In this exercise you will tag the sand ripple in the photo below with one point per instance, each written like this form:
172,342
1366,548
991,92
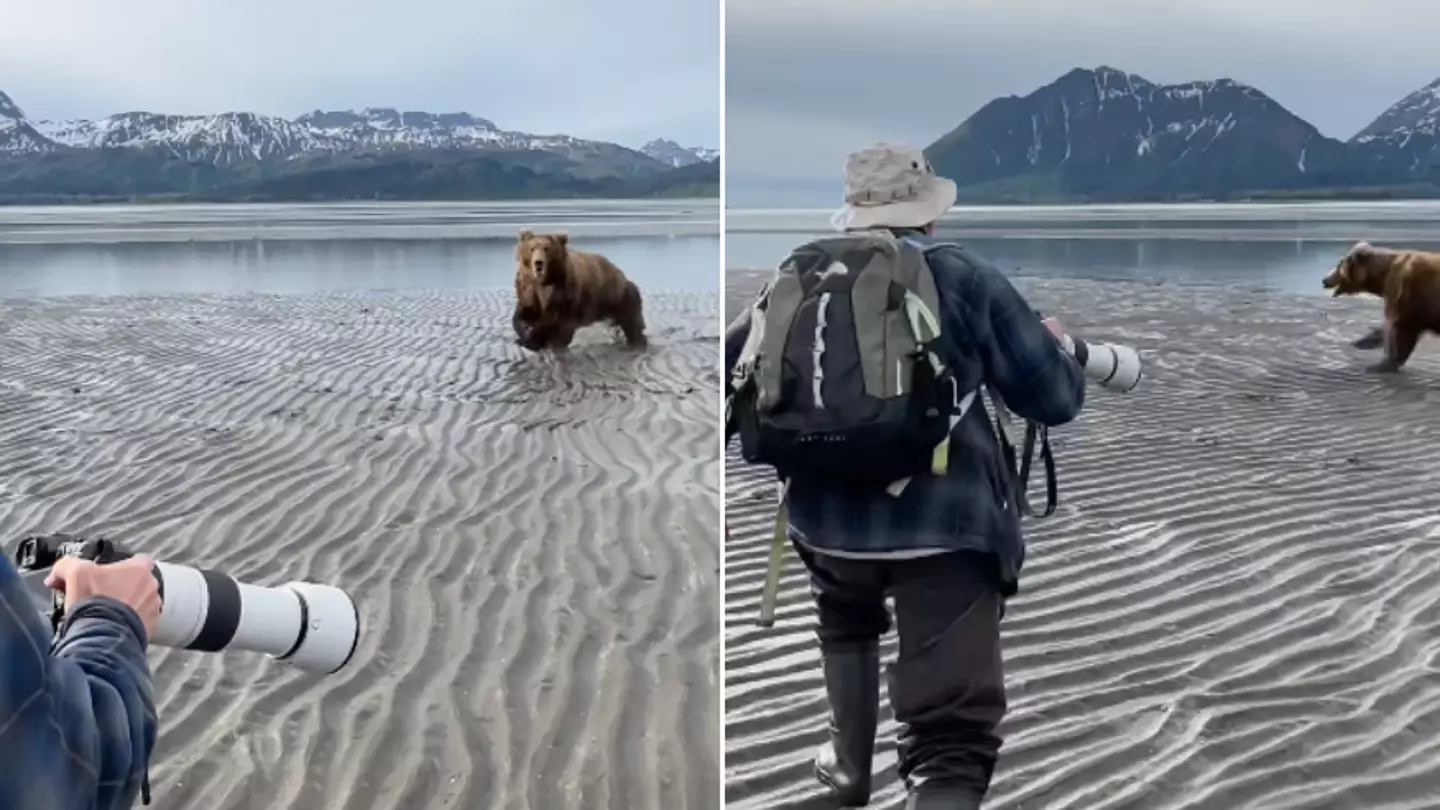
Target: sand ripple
1236,606
531,539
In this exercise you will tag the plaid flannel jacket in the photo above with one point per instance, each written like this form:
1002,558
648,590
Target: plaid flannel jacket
996,339
77,719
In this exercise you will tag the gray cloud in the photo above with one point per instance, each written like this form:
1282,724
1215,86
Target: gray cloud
808,81
625,72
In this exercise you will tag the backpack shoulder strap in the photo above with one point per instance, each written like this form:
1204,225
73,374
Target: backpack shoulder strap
754,332
774,307
799,277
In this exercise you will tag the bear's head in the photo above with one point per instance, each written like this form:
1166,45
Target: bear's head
542,255
1361,270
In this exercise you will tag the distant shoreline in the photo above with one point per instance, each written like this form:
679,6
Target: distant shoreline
200,199
1270,220
456,221
1377,194
1409,195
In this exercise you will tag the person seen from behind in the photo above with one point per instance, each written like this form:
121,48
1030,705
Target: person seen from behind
944,542
77,715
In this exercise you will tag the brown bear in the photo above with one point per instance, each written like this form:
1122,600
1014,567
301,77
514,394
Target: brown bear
1409,283
559,290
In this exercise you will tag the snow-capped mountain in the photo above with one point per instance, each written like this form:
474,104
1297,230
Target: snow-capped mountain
240,137
1411,127
220,139
673,154
1416,114
17,136
8,109
244,137
372,154
1106,134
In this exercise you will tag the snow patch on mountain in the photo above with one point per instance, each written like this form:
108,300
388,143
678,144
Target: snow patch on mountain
18,136
223,139
1195,115
673,154
1418,113
227,138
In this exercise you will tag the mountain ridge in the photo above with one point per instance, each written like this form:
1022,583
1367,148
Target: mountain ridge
317,154
1103,134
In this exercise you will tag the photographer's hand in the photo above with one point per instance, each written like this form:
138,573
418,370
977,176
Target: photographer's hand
129,582
1056,329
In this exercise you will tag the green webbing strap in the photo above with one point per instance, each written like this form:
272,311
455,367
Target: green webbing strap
917,313
940,459
779,540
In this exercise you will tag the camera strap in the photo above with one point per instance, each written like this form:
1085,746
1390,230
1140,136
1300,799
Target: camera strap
1019,475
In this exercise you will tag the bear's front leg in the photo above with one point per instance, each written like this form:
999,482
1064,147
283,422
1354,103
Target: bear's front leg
557,338
1373,339
524,323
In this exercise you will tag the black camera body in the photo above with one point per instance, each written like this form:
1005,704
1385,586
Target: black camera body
40,552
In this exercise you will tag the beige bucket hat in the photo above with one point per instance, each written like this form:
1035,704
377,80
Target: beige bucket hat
892,186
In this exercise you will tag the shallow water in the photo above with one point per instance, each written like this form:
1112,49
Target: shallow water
192,249
1286,247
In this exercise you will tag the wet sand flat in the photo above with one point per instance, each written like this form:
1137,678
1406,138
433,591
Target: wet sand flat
531,539
1237,604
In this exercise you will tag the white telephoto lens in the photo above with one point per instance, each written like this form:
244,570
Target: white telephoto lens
314,627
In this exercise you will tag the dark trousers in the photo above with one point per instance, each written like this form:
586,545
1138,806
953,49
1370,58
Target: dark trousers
946,686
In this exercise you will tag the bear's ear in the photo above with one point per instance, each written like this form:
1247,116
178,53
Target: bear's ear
1362,250
562,239
525,235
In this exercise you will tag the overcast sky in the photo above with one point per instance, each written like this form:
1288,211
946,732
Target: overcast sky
808,81
625,71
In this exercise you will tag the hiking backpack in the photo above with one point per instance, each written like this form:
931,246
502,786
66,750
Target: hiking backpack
842,380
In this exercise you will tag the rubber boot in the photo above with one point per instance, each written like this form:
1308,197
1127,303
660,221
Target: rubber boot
852,682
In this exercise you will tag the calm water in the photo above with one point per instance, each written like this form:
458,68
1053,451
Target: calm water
1285,247
119,250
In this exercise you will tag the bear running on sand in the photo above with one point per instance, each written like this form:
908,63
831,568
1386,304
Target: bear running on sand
1409,283
559,290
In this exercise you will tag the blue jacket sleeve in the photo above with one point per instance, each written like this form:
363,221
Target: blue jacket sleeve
1024,363
77,723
